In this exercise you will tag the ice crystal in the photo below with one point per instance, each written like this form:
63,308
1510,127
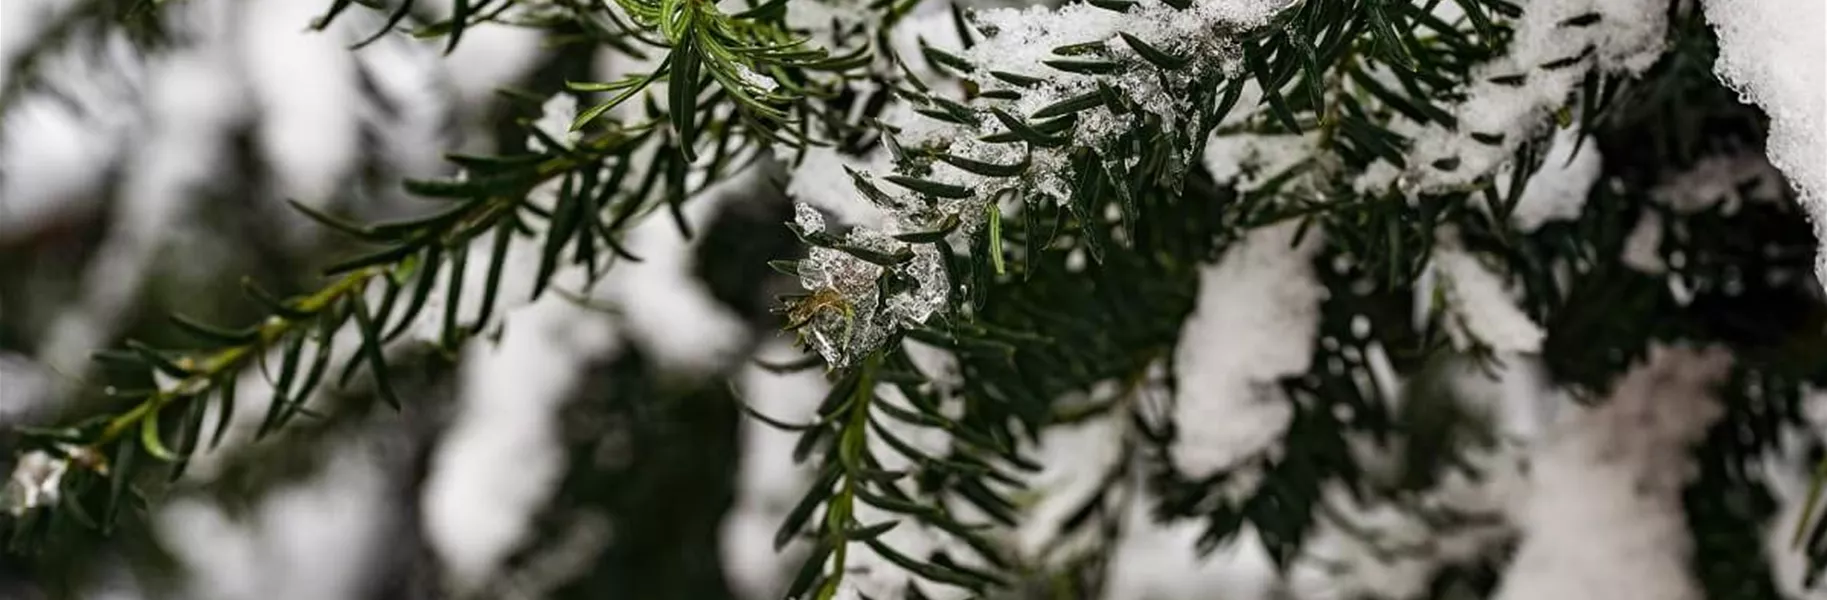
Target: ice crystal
849,310
808,218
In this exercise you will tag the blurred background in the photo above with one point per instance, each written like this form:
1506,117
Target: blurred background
589,452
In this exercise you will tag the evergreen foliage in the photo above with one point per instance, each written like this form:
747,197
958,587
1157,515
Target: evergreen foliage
1044,237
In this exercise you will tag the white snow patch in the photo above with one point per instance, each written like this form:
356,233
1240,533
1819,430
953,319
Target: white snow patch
1480,306
192,103
25,388
1254,321
315,539
768,482
1159,561
1558,190
1723,181
303,83
669,311
1246,160
53,145
501,458
1602,514
821,182
1643,247
1075,460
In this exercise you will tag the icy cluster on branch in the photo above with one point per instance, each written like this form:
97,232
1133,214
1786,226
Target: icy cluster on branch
1018,41
1555,45
1771,52
857,320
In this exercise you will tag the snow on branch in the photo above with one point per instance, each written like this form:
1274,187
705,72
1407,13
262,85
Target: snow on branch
1555,45
1771,52
1255,322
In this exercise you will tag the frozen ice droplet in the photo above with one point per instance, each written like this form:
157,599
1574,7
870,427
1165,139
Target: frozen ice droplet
808,218
927,296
